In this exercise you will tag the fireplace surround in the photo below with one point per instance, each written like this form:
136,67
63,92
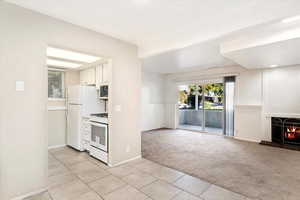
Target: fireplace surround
285,133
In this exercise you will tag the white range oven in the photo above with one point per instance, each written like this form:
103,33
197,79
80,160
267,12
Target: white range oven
99,137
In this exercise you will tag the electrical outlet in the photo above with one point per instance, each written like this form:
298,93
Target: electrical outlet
20,86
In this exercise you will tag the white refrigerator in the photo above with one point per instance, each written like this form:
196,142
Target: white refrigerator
82,101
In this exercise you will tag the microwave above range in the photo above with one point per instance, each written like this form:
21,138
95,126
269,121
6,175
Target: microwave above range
103,91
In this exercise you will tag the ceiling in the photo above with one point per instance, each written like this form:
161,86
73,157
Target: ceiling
283,53
266,45
68,59
203,55
276,44
157,26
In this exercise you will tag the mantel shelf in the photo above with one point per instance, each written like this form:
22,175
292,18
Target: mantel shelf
249,106
285,115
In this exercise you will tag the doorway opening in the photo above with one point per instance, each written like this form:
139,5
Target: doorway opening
201,107
207,107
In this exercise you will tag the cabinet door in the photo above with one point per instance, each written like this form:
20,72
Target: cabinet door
83,77
91,76
105,75
98,76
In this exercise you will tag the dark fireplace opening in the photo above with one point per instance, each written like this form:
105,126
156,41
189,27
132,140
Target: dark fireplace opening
286,130
285,133
291,131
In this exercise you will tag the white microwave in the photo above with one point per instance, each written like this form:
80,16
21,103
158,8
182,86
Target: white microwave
103,91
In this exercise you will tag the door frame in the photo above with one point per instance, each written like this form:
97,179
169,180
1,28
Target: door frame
203,101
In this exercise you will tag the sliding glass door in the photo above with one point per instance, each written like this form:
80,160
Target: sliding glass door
201,107
208,107
214,107
191,107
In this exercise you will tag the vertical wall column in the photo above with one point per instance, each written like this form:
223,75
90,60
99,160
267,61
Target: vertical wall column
229,86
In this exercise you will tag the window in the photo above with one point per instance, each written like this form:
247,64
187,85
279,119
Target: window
56,86
188,95
214,96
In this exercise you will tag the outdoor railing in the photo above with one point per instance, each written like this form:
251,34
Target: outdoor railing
213,118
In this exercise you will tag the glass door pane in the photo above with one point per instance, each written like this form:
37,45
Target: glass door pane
213,107
191,107
200,108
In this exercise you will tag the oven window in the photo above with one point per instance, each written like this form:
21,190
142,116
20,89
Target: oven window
99,135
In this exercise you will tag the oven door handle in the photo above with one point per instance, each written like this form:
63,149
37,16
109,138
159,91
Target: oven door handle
98,124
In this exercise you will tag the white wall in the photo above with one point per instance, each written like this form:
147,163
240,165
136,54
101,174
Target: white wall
153,108
171,100
249,88
56,128
281,90
281,95
248,124
257,93
125,132
23,117
261,93
248,106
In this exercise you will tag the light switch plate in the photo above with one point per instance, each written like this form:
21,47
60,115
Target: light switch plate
20,86
118,108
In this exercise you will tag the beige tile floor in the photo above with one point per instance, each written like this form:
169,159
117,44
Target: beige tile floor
77,176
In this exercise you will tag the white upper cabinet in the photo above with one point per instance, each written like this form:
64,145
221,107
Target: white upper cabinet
99,75
105,69
92,76
102,75
83,77
88,77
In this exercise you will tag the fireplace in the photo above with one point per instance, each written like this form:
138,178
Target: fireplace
285,132
291,128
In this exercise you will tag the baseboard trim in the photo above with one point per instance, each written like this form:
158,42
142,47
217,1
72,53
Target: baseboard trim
57,146
156,129
125,161
247,140
30,194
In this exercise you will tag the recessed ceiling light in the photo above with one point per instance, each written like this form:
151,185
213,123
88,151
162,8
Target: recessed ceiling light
63,64
70,55
291,19
273,65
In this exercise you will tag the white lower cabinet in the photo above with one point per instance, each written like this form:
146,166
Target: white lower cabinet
85,134
86,145
97,153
